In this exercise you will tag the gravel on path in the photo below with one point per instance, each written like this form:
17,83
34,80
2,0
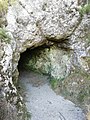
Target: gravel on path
43,103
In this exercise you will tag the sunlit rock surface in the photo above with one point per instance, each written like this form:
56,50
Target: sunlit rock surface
33,23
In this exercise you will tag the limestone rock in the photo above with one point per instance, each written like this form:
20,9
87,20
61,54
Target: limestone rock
35,23
80,43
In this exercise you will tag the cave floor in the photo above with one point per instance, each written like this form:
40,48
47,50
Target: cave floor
43,103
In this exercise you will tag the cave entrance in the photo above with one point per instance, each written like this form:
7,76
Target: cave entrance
30,79
31,58
29,66
41,101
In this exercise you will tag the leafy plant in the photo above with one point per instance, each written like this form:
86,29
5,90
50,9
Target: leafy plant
4,36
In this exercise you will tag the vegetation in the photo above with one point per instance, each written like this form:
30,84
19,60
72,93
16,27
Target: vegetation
4,5
55,82
76,87
85,9
4,36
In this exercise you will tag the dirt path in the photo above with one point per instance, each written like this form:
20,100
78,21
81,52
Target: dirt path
43,103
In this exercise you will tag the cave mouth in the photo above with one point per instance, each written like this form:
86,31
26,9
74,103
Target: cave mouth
34,76
38,95
28,55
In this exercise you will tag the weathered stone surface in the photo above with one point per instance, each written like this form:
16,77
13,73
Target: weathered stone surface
42,19
10,98
76,87
6,85
7,111
34,23
80,43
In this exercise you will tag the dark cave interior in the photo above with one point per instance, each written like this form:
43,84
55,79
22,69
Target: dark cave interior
28,54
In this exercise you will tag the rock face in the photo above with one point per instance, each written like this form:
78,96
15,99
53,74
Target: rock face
7,111
38,22
76,88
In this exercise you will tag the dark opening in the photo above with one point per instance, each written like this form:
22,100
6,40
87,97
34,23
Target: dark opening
28,54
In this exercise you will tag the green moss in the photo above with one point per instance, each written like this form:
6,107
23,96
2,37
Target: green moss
4,36
85,9
54,82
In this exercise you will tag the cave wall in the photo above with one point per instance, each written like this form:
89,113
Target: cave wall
50,60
